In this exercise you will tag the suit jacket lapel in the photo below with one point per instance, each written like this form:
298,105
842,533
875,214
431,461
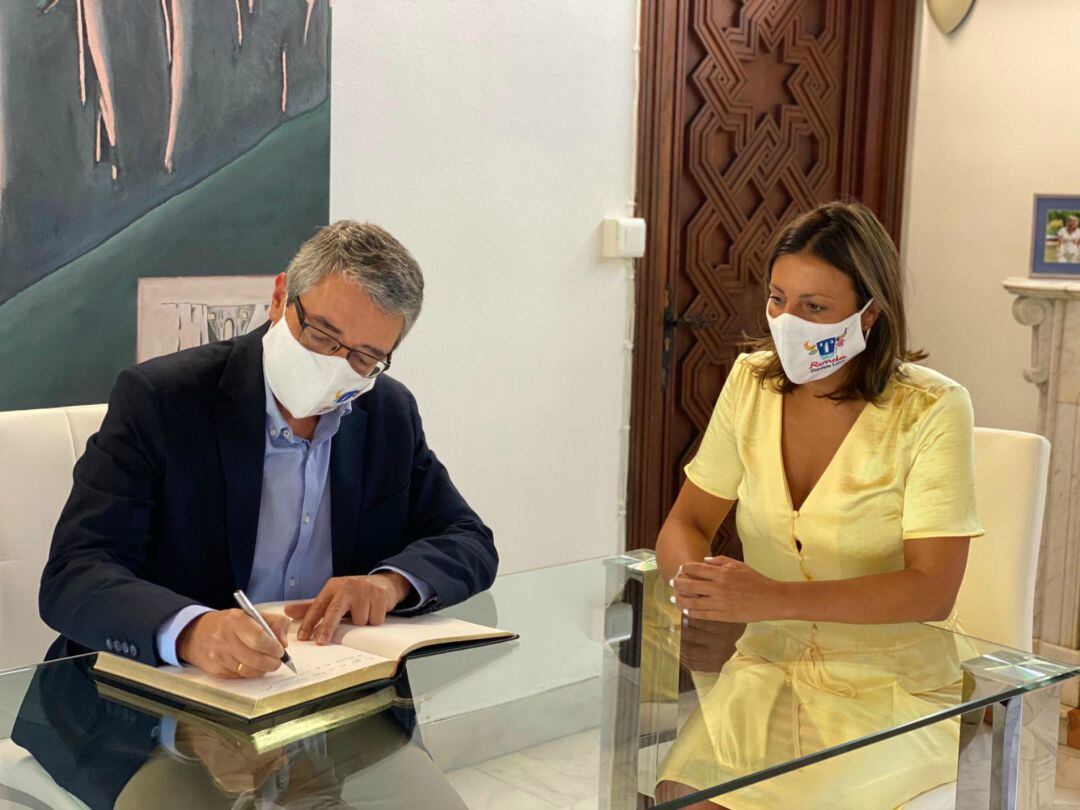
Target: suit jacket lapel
346,459
241,428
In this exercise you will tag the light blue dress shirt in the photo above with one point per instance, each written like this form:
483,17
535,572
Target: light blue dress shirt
293,558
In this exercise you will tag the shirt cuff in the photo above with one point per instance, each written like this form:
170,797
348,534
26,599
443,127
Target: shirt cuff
167,734
171,629
421,589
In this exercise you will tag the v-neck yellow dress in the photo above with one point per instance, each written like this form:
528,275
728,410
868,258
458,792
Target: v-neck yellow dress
904,471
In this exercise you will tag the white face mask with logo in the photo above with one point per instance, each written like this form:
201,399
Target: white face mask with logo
812,351
306,383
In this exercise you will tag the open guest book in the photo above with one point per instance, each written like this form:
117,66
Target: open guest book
356,657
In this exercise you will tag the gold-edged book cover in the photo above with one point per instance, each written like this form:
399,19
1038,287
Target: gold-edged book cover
358,657
224,699
270,737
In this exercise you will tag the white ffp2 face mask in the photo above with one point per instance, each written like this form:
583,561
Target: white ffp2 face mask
812,351
306,383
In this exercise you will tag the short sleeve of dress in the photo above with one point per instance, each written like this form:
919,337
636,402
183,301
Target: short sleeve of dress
717,468
939,498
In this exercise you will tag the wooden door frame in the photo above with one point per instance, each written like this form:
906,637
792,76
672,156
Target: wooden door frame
882,39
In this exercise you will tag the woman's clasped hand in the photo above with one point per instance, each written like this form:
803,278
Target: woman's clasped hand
723,589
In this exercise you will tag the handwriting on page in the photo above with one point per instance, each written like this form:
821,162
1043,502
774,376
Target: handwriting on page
315,664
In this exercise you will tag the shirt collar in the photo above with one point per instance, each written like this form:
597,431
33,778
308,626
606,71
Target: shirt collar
326,429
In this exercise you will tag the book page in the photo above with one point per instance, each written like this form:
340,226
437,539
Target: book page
314,664
399,635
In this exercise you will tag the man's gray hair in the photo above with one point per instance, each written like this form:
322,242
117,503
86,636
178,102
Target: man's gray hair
366,255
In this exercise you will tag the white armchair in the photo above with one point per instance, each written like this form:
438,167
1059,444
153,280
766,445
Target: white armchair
39,449
997,598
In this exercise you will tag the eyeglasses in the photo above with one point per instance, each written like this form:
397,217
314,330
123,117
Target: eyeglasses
315,339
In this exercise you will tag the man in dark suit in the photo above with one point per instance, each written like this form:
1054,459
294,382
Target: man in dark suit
283,462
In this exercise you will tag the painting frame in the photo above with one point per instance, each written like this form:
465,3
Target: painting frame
1043,241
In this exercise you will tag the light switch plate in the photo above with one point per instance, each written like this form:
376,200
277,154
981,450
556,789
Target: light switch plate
624,238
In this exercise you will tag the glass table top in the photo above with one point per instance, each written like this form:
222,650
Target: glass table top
608,696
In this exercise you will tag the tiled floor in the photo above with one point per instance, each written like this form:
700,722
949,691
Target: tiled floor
563,774
559,774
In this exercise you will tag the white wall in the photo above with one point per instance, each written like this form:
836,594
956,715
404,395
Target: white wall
492,138
996,120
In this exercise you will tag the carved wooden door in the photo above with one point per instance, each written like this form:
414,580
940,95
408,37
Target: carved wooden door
751,112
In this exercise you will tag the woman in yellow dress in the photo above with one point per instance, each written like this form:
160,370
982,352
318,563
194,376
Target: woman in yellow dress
853,470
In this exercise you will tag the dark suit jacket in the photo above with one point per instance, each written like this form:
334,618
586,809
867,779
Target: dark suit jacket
165,503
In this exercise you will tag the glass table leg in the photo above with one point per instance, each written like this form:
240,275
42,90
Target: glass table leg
640,680
621,689
1011,763
1005,753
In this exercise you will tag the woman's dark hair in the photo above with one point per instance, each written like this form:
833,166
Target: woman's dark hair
848,237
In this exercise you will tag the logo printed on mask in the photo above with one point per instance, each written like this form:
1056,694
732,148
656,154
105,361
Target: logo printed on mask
826,348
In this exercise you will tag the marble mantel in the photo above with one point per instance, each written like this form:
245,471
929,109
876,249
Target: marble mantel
1051,307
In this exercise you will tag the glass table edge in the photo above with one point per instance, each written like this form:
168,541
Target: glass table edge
861,742
49,662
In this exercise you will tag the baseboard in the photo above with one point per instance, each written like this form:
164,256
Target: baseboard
1068,768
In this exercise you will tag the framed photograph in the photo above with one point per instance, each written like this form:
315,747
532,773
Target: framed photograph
1055,241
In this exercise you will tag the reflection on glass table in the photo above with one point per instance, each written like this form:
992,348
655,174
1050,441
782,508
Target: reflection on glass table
606,696
791,713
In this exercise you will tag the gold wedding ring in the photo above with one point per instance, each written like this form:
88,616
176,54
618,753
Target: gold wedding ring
239,666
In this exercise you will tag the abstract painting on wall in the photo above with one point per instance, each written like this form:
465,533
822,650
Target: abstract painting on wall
148,139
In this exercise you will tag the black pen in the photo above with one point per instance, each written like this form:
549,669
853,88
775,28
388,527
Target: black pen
249,609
